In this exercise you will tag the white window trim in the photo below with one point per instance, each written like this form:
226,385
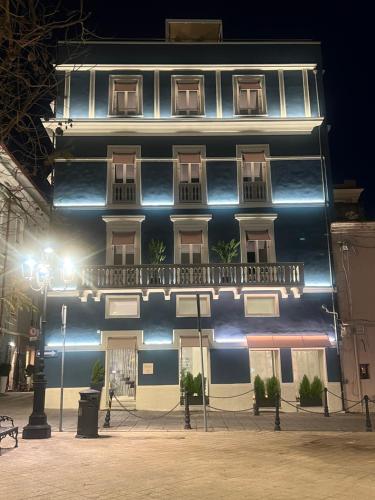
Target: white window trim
128,149
185,149
190,223
123,223
126,78
108,299
257,222
249,296
235,80
202,296
174,80
253,148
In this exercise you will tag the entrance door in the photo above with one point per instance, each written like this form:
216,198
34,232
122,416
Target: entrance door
121,368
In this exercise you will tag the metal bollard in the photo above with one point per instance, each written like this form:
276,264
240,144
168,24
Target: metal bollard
368,419
326,410
255,408
277,414
187,411
107,420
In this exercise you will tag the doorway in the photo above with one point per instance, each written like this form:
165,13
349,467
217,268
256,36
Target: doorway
122,367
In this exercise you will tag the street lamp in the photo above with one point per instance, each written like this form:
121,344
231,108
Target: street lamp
41,275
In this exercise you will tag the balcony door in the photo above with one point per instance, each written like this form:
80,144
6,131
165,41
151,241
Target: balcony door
190,178
124,178
254,187
191,249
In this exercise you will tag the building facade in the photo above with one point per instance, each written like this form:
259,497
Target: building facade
353,239
184,145
24,219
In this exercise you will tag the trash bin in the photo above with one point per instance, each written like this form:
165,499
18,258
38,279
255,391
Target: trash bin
88,410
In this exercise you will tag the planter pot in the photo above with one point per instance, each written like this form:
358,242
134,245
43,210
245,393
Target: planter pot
266,403
311,401
3,384
194,400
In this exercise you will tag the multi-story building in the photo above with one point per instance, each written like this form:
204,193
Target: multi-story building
353,245
24,219
189,142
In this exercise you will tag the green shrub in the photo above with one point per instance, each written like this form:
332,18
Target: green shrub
187,382
156,250
259,388
198,384
305,388
226,250
4,369
316,388
97,374
272,387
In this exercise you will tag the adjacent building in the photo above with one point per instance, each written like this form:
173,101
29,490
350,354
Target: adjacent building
180,145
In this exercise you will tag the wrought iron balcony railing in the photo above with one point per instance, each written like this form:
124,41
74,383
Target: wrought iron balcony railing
203,275
190,192
254,191
123,193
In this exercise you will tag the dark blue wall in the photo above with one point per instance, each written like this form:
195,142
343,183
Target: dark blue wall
77,368
286,365
297,181
333,365
295,104
79,94
157,183
165,367
230,366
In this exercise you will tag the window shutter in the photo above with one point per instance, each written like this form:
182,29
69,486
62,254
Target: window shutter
188,85
191,237
254,157
258,235
189,158
123,238
128,159
125,86
249,85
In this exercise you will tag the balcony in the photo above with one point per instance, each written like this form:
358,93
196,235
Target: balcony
124,193
254,191
190,192
203,275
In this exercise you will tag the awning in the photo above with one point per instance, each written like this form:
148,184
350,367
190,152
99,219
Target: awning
254,157
258,235
189,158
194,85
125,86
126,158
123,238
249,85
191,237
194,341
122,343
295,341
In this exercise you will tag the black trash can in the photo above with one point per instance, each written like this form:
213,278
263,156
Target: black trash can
88,412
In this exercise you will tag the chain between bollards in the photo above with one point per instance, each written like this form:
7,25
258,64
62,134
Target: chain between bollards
277,413
107,420
187,411
368,419
326,410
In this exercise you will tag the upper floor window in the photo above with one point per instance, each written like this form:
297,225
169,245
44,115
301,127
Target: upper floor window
257,246
191,247
124,178
257,238
189,177
253,169
123,248
249,95
187,95
126,96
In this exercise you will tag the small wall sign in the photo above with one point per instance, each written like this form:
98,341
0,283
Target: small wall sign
148,368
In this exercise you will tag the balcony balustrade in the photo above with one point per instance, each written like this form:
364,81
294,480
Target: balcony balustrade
124,193
203,275
190,192
254,191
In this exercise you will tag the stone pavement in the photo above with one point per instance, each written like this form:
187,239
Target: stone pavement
18,405
192,465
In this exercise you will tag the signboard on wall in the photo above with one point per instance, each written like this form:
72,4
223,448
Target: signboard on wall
33,333
148,368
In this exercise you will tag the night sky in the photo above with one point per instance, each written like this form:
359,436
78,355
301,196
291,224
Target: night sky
343,29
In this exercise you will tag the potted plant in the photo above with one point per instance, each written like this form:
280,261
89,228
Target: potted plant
193,387
273,389
97,376
226,251
156,250
310,394
265,393
4,374
29,373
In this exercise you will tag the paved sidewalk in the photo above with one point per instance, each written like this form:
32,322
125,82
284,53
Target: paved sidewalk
18,405
192,465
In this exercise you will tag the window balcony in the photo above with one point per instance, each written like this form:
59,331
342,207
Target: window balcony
288,274
124,193
254,191
190,192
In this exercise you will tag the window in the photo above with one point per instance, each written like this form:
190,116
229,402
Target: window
191,247
264,363
254,186
307,362
122,306
189,178
186,306
261,305
249,95
125,96
364,372
187,95
257,238
190,239
123,248
124,178
257,244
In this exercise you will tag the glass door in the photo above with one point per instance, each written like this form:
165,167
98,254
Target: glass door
121,365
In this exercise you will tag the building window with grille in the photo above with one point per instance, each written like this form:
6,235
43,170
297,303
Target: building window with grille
125,96
124,188
254,179
249,95
189,178
123,247
187,95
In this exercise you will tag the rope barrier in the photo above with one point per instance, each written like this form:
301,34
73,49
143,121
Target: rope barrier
143,418
230,397
229,411
339,397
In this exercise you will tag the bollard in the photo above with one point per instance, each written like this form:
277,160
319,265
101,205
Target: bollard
107,420
326,410
368,419
255,408
187,411
277,414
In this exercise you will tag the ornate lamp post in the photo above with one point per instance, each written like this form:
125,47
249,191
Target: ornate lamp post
41,275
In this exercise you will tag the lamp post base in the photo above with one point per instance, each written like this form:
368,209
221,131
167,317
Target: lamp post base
31,431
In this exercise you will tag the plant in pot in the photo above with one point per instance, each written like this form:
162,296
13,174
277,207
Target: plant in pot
310,394
97,376
193,387
156,250
259,391
4,374
226,251
273,389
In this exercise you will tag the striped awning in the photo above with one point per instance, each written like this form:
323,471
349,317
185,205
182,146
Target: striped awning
295,341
